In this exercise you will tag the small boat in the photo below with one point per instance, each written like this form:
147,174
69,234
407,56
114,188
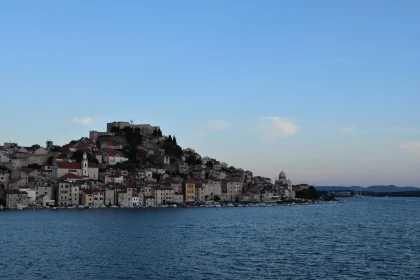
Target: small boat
1,207
19,207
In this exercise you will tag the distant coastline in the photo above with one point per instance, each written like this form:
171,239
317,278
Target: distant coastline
372,191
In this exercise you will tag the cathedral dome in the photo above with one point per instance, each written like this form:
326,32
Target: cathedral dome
282,175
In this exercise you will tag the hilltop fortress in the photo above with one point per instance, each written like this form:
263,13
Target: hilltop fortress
145,129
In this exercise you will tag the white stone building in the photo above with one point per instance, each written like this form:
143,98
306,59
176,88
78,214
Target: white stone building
164,195
116,179
211,189
81,169
113,157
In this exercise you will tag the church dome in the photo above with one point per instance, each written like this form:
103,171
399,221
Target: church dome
282,175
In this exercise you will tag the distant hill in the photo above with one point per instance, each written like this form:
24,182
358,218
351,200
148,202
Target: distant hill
390,188
337,188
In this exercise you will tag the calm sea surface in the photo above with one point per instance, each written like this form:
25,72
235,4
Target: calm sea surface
367,238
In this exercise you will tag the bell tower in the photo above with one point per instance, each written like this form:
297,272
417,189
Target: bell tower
85,165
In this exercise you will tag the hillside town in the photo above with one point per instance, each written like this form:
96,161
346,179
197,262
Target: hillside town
129,165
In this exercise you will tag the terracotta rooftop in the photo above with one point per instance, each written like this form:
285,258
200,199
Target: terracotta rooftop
73,165
68,176
28,170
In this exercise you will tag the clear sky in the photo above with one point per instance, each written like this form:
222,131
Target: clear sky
328,91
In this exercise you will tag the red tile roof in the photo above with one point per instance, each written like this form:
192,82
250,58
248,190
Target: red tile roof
73,165
68,176
28,170
68,165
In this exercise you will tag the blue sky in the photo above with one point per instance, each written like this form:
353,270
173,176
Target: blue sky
326,90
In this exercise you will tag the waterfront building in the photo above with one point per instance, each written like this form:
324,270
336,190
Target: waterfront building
283,186
109,196
212,188
123,198
164,195
67,193
45,201
178,198
199,192
189,191
13,198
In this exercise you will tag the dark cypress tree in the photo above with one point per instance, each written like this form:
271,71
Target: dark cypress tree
155,132
159,132
174,140
170,138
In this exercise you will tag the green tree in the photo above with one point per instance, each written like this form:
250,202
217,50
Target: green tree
155,132
78,156
159,132
209,164
171,149
156,176
50,160
191,160
34,166
132,152
36,146
116,130
309,193
174,140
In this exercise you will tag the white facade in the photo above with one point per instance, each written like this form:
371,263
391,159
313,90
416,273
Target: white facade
149,173
135,201
149,201
31,194
164,196
166,160
212,188
113,179
233,189
114,159
67,194
81,169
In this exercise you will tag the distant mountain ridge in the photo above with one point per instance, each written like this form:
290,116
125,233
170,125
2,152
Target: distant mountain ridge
390,188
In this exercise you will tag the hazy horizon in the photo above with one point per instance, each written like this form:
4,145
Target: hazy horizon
326,91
